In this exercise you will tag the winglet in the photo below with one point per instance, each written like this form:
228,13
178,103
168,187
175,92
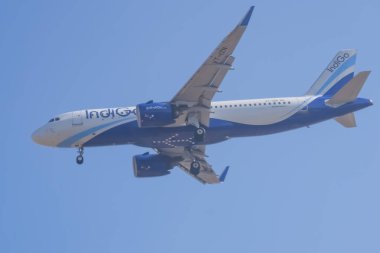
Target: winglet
222,177
247,17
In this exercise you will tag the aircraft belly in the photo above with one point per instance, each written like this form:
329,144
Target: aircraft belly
219,130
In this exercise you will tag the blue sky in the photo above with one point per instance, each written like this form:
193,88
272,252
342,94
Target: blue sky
309,190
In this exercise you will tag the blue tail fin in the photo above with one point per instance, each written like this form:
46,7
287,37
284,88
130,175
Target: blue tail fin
336,75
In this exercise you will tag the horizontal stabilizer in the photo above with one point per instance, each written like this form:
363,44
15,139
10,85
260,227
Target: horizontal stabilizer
347,120
350,91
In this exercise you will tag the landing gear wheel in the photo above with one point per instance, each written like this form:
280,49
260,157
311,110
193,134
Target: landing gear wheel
199,134
195,168
80,159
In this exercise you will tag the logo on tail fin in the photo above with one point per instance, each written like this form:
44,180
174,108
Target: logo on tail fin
338,61
338,72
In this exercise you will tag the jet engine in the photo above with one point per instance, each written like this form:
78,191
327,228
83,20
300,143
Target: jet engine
155,114
148,165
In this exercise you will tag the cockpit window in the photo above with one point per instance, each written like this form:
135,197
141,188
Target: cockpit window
54,119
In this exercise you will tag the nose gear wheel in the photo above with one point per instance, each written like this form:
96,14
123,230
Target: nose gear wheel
80,158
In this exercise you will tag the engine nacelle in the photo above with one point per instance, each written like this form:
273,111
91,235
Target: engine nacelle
155,114
147,165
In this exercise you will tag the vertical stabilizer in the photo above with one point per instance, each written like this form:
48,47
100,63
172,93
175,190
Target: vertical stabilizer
337,74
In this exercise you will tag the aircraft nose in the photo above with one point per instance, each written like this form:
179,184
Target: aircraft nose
38,136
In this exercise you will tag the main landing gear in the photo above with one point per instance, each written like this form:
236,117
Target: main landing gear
80,158
199,134
195,168
199,131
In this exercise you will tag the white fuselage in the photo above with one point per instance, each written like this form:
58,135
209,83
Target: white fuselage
74,129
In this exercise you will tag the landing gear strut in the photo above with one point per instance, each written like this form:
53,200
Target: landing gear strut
195,168
80,158
199,134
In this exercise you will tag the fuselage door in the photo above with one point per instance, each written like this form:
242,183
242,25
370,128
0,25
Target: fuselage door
77,118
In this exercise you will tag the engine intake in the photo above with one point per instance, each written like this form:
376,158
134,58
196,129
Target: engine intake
155,114
147,165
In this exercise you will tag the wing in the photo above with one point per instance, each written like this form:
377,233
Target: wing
185,156
196,95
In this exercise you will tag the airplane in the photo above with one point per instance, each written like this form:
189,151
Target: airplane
179,130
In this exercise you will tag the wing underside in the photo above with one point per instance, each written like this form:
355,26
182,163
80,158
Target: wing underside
186,156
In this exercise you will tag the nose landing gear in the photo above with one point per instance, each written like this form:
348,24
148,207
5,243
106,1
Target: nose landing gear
80,158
